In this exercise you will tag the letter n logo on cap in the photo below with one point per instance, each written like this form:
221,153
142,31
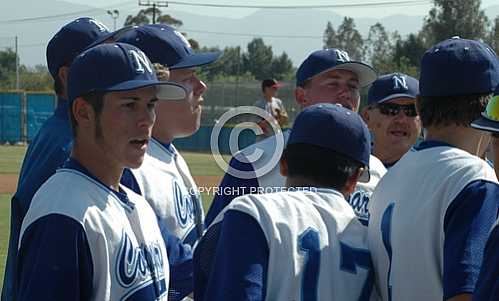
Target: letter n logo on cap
140,61
399,81
99,25
342,55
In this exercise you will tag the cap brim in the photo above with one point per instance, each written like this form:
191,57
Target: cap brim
486,124
196,60
393,96
164,90
112,36
365,177
366,74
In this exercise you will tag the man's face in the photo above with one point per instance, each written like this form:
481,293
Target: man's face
123,128
270,91
181,118
334,86
394,132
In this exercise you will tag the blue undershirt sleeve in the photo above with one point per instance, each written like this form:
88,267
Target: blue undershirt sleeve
54,261
467,223
487,287
230,188
239,270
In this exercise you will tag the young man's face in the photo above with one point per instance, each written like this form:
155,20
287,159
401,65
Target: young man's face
182,118
334,86
394,131
270,92
123,129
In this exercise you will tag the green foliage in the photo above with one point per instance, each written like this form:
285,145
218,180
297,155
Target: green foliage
450,18
7,64
378,48
347,37
258,59
493,36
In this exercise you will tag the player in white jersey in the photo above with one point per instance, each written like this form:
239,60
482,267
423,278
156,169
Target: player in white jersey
305,243
432,211
86,237
487,288
326,76
164,179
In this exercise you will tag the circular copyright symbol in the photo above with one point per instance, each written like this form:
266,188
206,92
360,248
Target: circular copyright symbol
260,164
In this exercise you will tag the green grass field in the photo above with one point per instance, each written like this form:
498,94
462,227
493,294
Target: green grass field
200,164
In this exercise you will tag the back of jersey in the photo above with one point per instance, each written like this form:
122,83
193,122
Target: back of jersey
317,246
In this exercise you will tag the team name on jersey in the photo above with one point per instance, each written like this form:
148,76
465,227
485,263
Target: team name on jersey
359,201
185,205
137,265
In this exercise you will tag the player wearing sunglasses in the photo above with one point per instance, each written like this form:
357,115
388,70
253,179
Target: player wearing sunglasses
391,116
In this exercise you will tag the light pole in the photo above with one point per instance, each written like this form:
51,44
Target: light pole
114,14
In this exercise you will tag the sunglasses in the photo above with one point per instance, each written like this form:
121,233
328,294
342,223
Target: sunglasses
492,110
393,109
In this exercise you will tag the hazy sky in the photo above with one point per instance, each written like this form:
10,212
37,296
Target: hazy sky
413,9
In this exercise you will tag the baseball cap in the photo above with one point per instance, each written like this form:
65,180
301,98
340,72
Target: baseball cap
330,59
489,121
336,128
458,67
165,45
270,82
72,39
391,86
116,67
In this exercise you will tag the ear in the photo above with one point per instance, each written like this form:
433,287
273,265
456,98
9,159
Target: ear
351,183
63,74
83,113
283,167
300,97
365,114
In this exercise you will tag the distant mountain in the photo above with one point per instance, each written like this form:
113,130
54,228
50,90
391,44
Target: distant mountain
298,32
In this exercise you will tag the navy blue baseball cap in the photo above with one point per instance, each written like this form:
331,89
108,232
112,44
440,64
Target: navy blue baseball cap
458,67
390,86
117,67
489,121
72,39
336,128
330,59
166,46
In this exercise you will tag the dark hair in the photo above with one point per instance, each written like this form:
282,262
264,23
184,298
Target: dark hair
269,82
58,87
458,110
321,165
95,99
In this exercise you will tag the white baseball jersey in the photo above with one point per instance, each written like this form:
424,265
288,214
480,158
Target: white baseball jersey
121,254
166,183
312,236
420,213
359,199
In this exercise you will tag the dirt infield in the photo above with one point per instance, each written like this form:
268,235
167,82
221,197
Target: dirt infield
207,181
8,183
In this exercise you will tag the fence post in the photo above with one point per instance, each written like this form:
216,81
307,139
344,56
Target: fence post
24,117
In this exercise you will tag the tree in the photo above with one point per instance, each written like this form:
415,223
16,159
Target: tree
349,39
493,38
144,16
258,59
7,63
450,18
281,67
409,51
329,37
378,48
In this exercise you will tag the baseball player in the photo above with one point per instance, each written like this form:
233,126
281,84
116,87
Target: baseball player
52,144
391,116
301,244
86,237
326,76
432,211
487,287
164,179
